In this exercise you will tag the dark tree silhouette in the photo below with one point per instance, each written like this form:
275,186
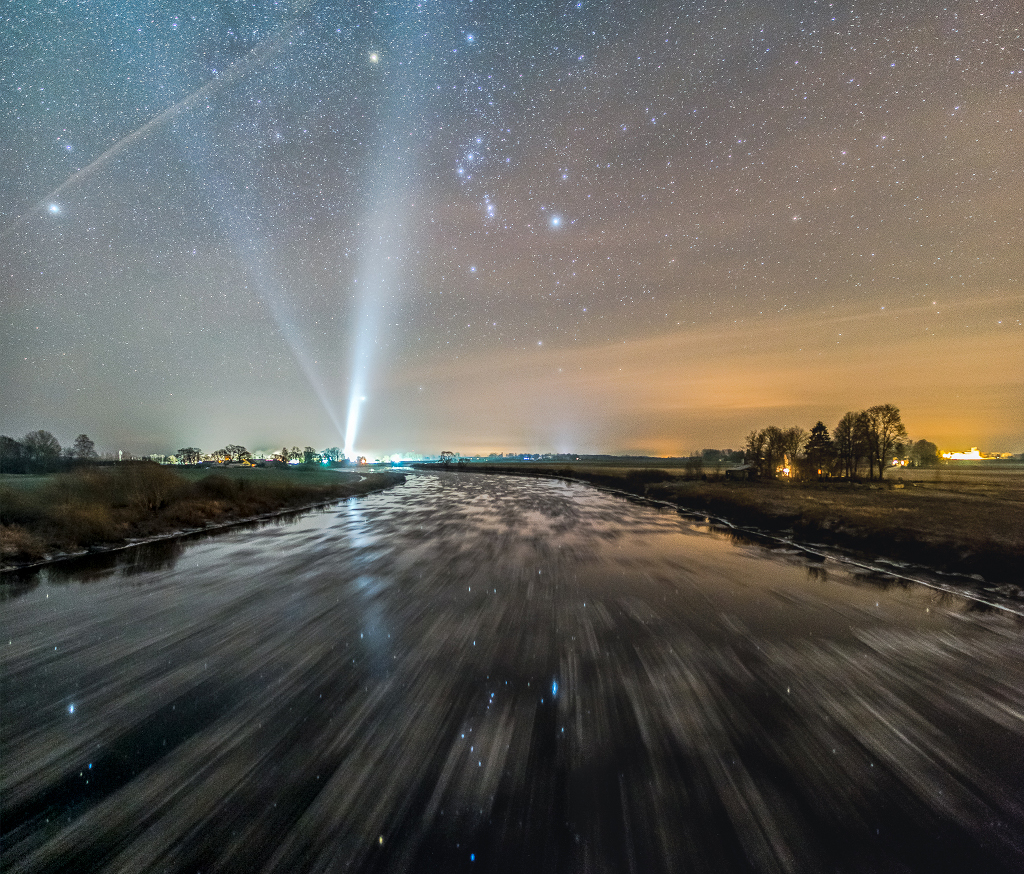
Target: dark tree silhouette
189,455
13,456
792,444
885,432
83,448
766,449
924,453
850,438
754,449
41,448
774,450
236,452
820,450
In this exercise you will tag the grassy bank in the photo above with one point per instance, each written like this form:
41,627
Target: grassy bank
89,508
966,525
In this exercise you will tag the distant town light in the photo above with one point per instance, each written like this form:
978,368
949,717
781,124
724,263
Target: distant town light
973,455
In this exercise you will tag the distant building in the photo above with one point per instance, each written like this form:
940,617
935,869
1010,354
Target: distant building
742,472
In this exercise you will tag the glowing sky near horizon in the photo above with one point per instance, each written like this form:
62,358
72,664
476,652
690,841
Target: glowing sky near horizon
590,227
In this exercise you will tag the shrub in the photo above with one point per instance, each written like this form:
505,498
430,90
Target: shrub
148,486
87,523
82,486
217,486
20,544
637,480
19,507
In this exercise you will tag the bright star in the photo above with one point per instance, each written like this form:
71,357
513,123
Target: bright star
556,220
54,208
374,57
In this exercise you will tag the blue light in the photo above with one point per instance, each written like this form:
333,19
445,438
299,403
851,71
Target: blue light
554,688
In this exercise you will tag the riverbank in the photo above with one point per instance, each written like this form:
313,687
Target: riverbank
967,527
46,518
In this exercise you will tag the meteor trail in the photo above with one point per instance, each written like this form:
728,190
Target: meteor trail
256,56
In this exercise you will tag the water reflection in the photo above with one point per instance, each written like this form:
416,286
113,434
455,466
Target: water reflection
504,674
139,558
816,572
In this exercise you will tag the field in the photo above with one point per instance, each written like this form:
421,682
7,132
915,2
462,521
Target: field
43,517
965,519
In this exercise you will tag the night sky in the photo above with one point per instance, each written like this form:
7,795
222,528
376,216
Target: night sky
638,227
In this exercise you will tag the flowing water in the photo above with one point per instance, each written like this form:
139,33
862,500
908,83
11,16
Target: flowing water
493,673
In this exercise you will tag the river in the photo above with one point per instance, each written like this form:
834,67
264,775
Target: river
490,673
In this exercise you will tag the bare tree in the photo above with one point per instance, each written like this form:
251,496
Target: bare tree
766,450
774,450
792,443
850,437
885,432
753,452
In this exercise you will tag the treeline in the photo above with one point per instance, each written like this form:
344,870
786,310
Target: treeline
236,453
875,437
40,452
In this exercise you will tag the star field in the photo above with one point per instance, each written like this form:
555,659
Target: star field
506,223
